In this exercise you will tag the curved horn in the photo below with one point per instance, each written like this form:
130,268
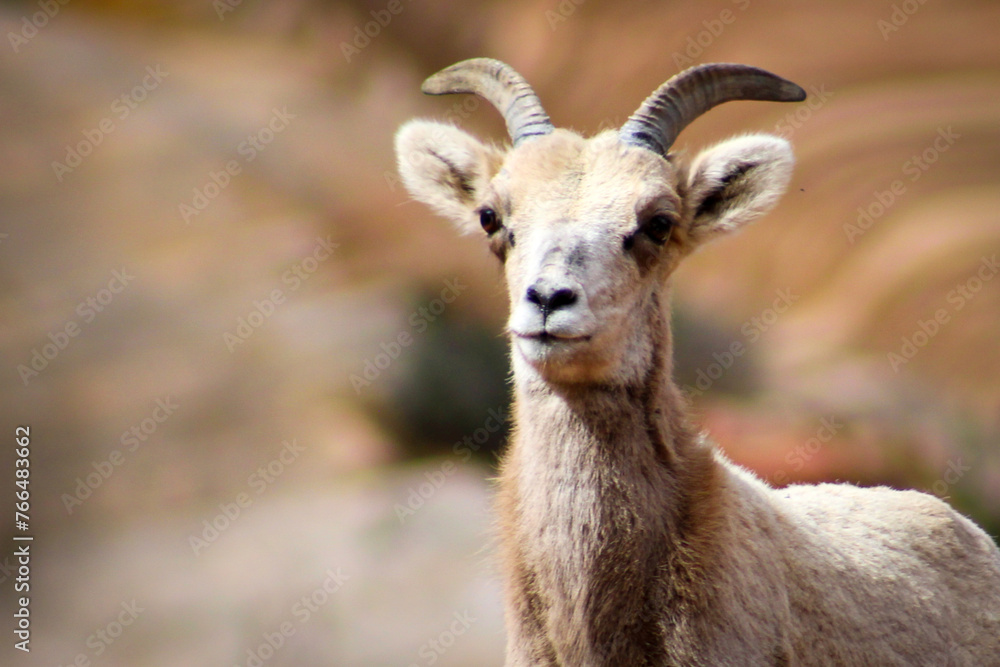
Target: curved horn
501,86
675,104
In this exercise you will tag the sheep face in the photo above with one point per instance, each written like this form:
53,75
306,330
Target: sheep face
588,230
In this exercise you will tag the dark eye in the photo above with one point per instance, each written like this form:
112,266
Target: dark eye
658,228
489,219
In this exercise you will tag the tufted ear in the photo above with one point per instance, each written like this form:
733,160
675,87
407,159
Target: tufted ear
446,168
736,181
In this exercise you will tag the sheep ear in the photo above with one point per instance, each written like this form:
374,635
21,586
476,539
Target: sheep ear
736,181
446,168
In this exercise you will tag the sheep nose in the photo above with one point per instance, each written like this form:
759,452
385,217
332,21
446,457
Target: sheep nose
550,296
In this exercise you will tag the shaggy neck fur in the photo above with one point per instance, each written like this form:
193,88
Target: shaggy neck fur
609,514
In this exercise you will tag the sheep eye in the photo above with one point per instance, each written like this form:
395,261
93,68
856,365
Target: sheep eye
658,228
489,219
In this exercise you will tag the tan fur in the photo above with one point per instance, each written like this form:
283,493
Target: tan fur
626,538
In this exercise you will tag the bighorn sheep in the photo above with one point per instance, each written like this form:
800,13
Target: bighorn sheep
626,537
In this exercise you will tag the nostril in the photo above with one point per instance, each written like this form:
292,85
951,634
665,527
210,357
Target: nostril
562,298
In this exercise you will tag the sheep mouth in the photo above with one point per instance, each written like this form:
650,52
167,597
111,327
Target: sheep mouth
550,338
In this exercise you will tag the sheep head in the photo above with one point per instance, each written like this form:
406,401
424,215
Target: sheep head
590,229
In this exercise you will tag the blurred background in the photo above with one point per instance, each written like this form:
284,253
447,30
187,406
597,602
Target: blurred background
266,391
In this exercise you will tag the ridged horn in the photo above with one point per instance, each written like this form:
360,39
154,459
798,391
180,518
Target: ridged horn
675,104
501,86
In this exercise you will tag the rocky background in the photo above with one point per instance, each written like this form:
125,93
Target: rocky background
266,391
